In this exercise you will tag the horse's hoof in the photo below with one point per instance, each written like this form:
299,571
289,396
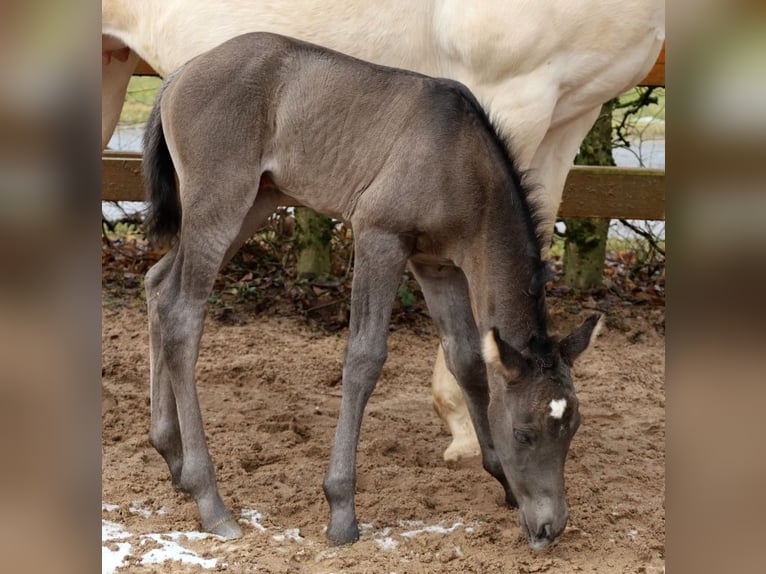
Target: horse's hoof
228,529
457,451
341,537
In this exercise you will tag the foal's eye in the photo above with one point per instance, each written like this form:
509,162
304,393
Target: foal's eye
522,437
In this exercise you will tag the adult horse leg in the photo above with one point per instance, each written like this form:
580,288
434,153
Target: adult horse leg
380,258
551,164
115,76
446,292
449,404
177,291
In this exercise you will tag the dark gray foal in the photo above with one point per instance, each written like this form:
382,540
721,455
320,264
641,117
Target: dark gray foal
415,166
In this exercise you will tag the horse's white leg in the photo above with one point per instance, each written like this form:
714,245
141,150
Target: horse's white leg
114,84
449,404
551,164
380,259
446,293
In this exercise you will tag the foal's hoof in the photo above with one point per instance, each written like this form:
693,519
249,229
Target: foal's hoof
228,529
339,537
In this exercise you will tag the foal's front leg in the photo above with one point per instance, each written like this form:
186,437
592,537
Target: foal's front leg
380,260
446,293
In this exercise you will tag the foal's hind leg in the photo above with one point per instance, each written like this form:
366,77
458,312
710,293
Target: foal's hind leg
178,292
446,292
380,259
165,433
178,311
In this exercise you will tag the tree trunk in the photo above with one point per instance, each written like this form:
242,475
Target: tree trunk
313,233
585,243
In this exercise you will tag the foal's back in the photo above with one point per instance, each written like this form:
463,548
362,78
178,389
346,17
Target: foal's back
336,133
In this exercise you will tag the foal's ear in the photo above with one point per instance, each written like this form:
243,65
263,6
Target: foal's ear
502,356
576,342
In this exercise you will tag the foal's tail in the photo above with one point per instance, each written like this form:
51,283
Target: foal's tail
163,219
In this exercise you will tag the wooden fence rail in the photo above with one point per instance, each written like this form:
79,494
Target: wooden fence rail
601,192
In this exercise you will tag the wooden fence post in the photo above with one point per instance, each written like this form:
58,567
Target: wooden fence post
313,233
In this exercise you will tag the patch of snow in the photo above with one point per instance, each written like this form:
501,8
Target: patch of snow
109,507
112,559
290,534
386,543
170,547
112,531
252,517
116,549
384,540
135,508
433,529
172,550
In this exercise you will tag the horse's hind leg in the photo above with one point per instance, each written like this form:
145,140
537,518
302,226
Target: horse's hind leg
446,292
378,267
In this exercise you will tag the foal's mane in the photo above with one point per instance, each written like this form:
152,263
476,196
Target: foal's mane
530,209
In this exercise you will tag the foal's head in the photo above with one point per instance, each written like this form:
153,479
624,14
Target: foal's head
533,415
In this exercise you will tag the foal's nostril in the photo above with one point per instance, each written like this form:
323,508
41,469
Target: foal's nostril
545,532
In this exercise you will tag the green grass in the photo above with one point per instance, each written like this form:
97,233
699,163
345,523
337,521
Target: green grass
139,99
612,244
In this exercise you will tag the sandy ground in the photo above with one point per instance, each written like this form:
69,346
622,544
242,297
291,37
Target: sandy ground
270,393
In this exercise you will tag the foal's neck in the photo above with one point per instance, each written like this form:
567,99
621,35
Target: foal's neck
506,274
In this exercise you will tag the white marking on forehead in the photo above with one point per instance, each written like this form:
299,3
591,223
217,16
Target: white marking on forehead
558,407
